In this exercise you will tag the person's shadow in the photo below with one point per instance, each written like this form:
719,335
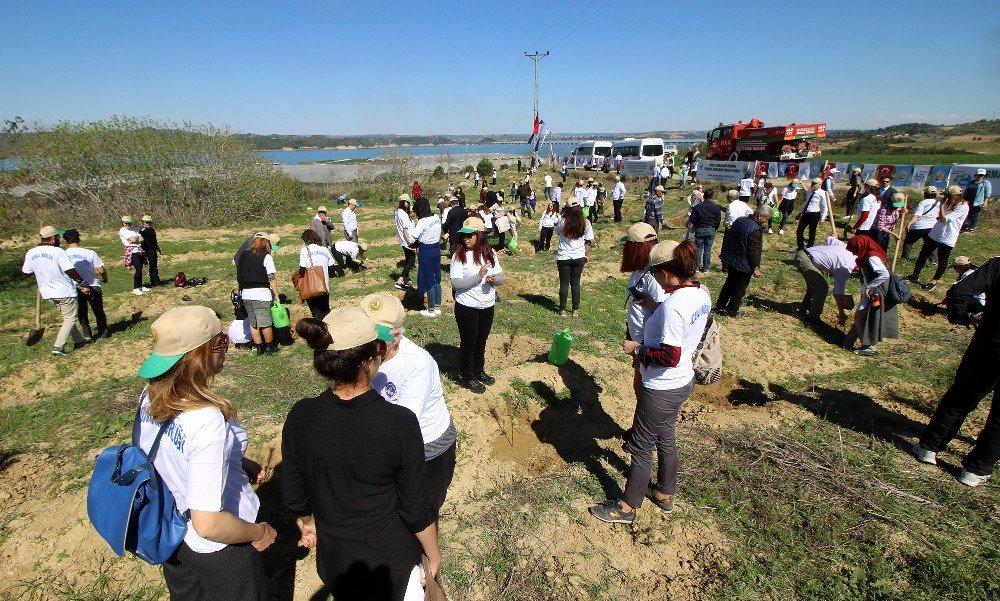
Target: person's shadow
828,333
540,300
574,424
281,558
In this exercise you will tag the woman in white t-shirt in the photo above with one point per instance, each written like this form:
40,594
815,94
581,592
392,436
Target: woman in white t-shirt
572,252
943,235
313,254
475,273
546,225
670,337
427,233
644,294
404,227
135,257
256,277
201,460
787,205
924,218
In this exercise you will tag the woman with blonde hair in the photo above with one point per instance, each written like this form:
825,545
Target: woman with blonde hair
354,470
201,461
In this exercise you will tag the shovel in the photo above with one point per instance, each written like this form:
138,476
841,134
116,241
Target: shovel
36,334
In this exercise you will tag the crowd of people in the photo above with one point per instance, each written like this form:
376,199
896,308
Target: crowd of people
372,515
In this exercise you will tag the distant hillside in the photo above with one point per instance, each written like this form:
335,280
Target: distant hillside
279,141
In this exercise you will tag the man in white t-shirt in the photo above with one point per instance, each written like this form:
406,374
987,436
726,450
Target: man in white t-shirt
350,254
90,266
618,198
548,187
55,274
350,220
867,210
834,259
746,187
737,208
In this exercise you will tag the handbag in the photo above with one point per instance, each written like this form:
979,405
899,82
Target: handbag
312,284
129,505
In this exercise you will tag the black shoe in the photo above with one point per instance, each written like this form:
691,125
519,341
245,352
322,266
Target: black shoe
260,349
271,348
911,278
485,378
472,384
611,511
929,286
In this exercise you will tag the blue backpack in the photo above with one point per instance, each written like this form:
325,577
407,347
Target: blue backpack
129,505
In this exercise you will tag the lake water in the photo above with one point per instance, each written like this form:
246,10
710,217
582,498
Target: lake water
294,157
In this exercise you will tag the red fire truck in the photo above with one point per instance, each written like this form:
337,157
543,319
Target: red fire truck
754,142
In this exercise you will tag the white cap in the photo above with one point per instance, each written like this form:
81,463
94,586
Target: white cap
980,172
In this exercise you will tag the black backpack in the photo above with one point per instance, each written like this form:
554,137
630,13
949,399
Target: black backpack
970,192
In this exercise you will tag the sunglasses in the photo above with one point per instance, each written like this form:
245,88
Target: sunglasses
221,344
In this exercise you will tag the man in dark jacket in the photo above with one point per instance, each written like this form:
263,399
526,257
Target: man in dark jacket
741,253
978,374
456,217
152,249
705,218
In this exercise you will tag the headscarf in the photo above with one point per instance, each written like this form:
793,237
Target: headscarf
866,247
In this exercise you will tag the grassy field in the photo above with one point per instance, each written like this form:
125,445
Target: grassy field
795,480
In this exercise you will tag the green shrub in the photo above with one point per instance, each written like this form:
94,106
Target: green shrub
438,172
485,167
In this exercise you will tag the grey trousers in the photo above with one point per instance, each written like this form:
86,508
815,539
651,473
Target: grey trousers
68,310
817,288
653,426
235,573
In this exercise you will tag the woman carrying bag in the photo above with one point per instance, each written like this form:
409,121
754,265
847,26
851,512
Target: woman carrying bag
475,273
873,321
315,262
644,294
255,274
427,233
354,470
202,461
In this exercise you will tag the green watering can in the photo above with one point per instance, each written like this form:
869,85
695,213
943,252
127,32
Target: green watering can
279,315
561,344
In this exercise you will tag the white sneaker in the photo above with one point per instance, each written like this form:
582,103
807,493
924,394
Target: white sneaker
427,313
781,232
137,291
770,231
924,455
437,311
973,480
144,289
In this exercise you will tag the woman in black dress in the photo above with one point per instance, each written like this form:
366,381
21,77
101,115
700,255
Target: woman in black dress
354,472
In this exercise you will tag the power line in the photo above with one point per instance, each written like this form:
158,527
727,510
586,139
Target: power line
536,57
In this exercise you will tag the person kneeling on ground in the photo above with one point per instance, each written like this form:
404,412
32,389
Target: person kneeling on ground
665,355
978,374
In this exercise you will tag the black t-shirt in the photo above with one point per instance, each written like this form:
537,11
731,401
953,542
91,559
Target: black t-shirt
358,467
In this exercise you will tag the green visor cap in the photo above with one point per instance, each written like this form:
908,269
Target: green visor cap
466,230
157,365
384,333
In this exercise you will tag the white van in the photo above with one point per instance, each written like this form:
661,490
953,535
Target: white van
591,154
639,155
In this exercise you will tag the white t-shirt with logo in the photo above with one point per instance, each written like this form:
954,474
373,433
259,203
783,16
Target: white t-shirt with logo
869,203
946,232
347,247
927,213
200,459
643,285
403,222
483,294
49,264
125,233
321,257
411,379
679,321
428,229
573,248
86,262
261,294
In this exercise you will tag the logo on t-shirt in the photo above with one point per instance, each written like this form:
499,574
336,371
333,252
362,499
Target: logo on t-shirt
390,391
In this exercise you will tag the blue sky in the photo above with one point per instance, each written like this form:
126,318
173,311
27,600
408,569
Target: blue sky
428,67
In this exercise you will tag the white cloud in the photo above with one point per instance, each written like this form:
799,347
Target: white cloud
912,117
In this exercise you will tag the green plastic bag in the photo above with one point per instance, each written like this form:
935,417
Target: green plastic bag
561,343
279,315
512,245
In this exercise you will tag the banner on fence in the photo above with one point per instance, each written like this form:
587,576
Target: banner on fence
844,174
772,170
920,175
885,171
961,175
939,176
902,176
724,171
869,172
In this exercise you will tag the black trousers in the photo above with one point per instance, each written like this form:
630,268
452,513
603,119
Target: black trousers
943,252
731,295
810,220
154,272
474,327
319,306
545,238
409,258
978,374
137,261
570,271
235,573
440,471
912,237
618,209
343,260
95,300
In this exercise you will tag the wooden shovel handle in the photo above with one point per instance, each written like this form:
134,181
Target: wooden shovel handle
38,309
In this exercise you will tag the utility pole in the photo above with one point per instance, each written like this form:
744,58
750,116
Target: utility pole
536,57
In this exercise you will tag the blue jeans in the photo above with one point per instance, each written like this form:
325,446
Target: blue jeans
704,237
434,297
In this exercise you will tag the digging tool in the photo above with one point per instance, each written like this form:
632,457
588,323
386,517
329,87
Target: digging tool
36,334
899,238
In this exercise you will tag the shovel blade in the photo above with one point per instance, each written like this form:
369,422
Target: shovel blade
34,336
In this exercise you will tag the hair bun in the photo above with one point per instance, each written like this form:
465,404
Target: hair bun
314,332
